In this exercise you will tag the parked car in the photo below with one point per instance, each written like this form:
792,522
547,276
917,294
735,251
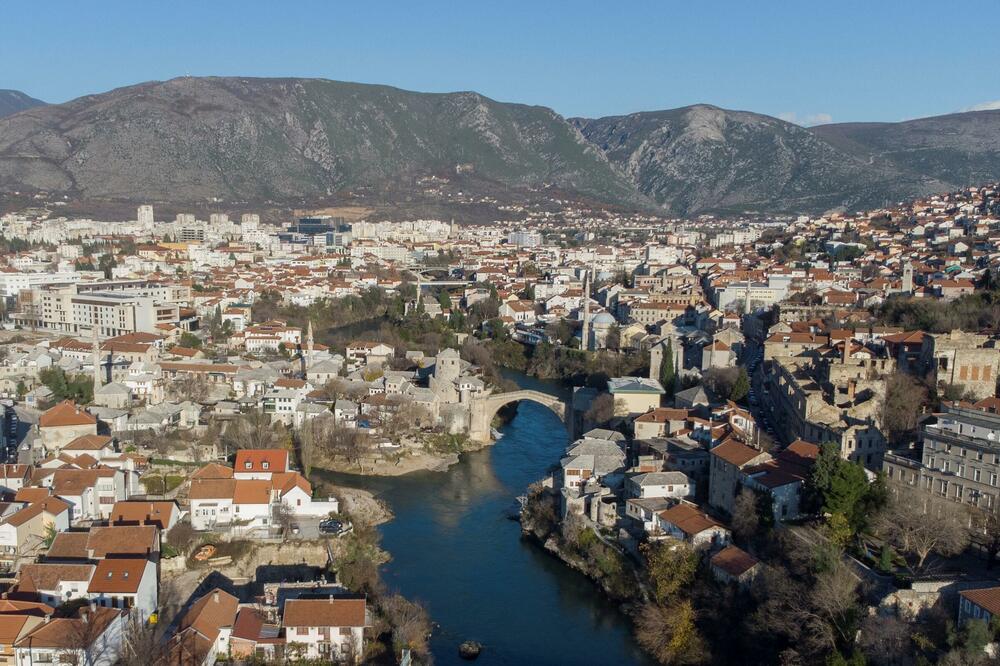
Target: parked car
335,527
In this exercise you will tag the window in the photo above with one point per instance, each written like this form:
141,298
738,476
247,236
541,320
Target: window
249,465
265,464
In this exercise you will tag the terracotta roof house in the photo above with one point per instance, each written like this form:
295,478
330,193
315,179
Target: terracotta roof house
58,640
204,631
981,604
260,463
325,628
734,565
125,583
63,423
254,637
162,514
727,460
213,471
687,523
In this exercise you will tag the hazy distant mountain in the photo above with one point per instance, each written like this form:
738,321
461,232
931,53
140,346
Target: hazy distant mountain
12,101
290,141
190,139
959,149
703,158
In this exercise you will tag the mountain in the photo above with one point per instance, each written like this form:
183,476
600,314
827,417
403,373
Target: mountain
289,140
294,142
702,157
12,101
959,149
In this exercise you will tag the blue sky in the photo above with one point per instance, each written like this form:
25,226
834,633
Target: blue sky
805,61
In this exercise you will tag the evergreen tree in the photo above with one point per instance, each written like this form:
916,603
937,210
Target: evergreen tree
667,373
818,483
741,387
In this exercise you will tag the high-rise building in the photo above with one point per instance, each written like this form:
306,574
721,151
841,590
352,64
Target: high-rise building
524,238
145,216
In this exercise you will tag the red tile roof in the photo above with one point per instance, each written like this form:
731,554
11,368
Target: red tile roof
332,612
734,561
276,459
688,519
987,598
735,453
66,413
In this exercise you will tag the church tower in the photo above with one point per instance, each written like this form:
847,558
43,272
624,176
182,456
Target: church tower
908,278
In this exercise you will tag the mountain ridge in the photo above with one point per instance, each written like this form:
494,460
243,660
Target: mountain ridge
288,139
15,101
291,140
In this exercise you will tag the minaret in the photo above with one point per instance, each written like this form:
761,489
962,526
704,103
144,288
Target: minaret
309,344
746,298
585,335
97,362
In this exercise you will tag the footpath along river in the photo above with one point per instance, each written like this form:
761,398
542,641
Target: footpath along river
454,550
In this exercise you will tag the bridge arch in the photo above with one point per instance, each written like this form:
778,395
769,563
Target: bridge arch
484,409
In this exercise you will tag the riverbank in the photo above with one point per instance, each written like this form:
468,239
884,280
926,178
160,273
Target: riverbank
453,547
579,544
434,454
363,507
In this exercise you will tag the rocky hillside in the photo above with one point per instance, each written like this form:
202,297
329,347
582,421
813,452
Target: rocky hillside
959,149
291,142
12,101
246,139
702,157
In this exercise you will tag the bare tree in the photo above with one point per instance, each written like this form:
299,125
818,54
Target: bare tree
601,410
745,519
410,624
919,525
986,530
83,636
252,430
192,387
815,615
406,417
344,443
282,516
885,640
670,634
180,537
905,397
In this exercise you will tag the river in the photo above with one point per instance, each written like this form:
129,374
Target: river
454,550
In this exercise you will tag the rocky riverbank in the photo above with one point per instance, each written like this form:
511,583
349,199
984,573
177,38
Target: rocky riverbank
363,506
580,547
436,453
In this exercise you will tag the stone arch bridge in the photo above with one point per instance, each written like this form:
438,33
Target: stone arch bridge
484,409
